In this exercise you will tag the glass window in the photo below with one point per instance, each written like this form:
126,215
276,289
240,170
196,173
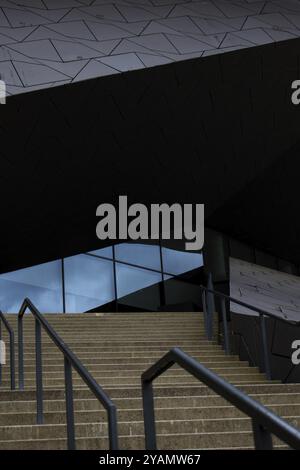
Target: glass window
144,299
130,279
140,254
42,284
106,252
178,262
89,283
180,292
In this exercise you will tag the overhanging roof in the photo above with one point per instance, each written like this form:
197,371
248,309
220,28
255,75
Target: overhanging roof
54,42
199,130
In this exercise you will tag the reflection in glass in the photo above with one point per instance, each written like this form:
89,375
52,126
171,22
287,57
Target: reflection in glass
89,282
105,252
177,291
144,299
179,262
42,284
130,279
140,254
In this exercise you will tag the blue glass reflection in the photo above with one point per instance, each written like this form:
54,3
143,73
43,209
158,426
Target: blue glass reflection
89,283
41,283
106,252
179,262
130,279
140,254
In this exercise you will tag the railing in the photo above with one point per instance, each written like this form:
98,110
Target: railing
11,350
70,360
264,421
208,302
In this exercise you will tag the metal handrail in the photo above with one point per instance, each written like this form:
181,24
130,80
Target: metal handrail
264,421
250,307
208,296
70,360
11,351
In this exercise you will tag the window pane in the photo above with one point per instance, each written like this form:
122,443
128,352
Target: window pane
180,292
178,262
130,279
106,252
140,254
42,284
89,283
144,299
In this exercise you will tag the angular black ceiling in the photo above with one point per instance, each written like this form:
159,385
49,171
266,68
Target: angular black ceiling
199,130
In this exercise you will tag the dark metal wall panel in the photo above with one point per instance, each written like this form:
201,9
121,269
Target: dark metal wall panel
193,131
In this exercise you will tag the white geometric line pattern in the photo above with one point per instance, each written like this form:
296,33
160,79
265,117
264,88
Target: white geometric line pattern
270,290
44,43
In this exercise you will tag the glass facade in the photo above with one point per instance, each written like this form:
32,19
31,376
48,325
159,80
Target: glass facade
89,281
86,281
41,283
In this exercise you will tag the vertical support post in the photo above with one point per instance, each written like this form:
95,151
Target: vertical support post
262,437
266,356
225,326
112,428
149,418
210,307
69,405
0,361
20,353
12,360
204,306
39,373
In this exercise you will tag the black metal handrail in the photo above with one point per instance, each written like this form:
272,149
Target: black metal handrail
264,421
70,360
11,350
250,307
208,296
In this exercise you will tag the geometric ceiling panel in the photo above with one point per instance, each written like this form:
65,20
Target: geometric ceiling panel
38,38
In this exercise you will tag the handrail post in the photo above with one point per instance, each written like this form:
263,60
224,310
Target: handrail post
69,405
71,362
149,416
0,361
225,327
264,421
265,346
112,428
209,317
12,359
204,306
11,350
210,307
262,437
39,373
21,353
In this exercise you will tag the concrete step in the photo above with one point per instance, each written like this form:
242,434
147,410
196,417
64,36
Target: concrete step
90,435
208,348
118,329
129,364
116,349
144,344
191,390
88,403
212,414
175,378
131,370
136,359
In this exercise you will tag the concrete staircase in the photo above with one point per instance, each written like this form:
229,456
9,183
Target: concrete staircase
116,349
